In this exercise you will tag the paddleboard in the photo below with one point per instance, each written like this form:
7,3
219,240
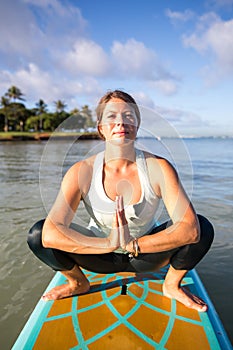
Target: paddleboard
123,311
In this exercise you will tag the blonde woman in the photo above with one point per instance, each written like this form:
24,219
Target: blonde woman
121,189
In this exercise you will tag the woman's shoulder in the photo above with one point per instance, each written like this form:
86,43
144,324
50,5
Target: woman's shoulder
158,163
160,171
80,173
83,165
155,159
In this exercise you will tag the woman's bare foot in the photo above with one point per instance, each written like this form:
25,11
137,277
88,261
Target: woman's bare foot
173,290
66,290
185,297
77,284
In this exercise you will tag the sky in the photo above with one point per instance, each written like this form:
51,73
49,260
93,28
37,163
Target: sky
174,57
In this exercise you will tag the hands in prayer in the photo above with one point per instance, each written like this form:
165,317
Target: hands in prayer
120,235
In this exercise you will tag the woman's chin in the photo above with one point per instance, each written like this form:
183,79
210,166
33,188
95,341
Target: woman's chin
120,140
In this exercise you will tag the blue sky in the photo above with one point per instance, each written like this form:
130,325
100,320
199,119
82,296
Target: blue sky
174,57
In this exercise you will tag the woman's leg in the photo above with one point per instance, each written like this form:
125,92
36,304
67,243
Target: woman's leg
186,259
181,260
58,261
68,263
63,261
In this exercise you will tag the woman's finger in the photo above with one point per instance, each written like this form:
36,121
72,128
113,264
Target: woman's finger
120,203
121,211
115,221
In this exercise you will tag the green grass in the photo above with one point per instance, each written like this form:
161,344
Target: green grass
16,133
10,135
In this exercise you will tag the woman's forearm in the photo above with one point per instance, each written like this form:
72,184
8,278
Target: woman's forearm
58,236
174,236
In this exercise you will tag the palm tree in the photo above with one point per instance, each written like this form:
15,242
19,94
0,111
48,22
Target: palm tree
78,121
87,113
5,103
60,106
14,93
41,108
75,111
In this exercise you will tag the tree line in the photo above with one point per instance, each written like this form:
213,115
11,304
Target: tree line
15,116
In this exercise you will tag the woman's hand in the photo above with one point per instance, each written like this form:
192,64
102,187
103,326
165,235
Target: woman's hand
123,229
119,235
114,237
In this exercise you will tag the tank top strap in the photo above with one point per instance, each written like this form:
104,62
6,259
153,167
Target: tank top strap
141,163
98,163
144,173
97,170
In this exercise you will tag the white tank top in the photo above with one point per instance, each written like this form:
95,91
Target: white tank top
140,216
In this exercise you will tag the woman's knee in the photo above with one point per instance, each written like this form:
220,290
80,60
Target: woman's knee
207,229
34,235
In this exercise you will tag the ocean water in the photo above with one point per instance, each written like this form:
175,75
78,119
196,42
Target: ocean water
30,176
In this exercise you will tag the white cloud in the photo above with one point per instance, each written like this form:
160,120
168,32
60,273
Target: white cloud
130,60
35,84
166,87
134,57
179,117
164,121
35,32
143,99
46,53
134,60
179,16
19,33
87,58
213,38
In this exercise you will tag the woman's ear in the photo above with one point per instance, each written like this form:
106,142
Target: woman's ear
99,128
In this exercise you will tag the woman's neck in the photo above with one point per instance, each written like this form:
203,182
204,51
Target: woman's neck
119,155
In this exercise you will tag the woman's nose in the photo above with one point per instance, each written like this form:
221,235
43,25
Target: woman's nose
119,119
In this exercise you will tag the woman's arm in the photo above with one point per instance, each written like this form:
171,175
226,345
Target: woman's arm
185,228
56,232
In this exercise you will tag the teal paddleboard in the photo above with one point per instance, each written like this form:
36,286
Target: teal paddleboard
123,311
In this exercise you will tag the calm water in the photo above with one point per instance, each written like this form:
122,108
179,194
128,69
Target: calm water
30,175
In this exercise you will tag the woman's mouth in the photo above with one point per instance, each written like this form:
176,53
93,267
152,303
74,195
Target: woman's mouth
120,133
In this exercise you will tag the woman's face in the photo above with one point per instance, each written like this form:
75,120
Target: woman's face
119,121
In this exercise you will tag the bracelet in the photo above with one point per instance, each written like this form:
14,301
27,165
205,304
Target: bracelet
136,249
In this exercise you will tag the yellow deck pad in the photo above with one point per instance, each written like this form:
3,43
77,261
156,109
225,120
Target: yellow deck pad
121,311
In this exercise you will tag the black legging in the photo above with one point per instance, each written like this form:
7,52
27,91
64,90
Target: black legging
182,258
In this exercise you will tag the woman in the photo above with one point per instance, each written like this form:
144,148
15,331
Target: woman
121,189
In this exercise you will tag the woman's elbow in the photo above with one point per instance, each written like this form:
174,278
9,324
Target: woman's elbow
48,236
45,239
195,233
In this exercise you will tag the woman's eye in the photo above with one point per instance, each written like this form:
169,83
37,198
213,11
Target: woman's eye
111,116
130,117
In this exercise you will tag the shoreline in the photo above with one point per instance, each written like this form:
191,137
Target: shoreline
45,136
25,136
